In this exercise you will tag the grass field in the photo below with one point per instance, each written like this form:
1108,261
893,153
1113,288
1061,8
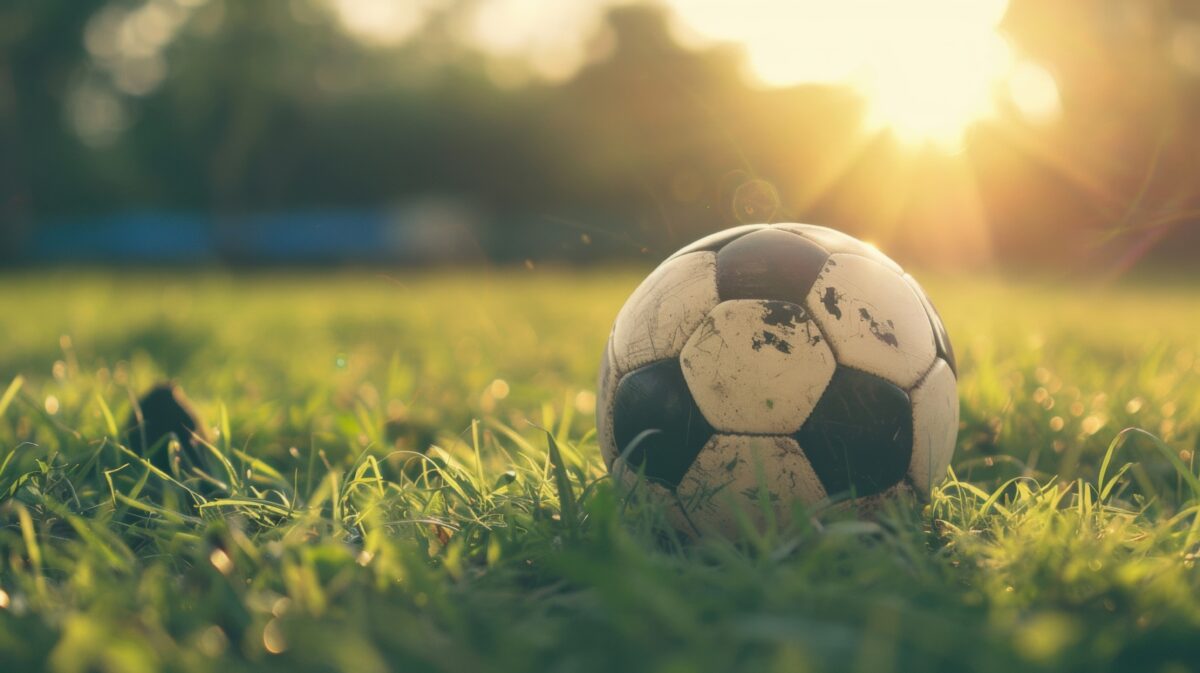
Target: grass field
324,541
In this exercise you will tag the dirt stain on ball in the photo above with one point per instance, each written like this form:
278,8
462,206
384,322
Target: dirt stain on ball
886,336
771,339
830,301
783,314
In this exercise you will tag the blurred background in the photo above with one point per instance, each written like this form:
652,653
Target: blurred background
954,134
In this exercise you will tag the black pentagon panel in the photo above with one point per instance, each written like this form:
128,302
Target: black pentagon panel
944,347
714,242
769,264
837,242
656,397
859,436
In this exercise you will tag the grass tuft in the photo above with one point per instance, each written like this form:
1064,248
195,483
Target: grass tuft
409,481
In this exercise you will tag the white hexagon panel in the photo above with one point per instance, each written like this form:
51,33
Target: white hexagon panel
741,479
629,482
874,321
757,366
664,310
935,426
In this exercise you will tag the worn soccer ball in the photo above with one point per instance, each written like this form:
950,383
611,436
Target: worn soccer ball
767,365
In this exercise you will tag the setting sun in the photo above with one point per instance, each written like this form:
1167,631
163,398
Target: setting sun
927,69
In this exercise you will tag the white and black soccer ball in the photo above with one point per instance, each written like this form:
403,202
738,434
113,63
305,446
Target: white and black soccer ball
776,363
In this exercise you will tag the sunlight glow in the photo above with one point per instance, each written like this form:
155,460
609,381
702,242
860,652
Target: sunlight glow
927,69
522,29
383,23
1034,93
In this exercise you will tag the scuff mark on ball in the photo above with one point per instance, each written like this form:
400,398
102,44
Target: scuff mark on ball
830,300
877,329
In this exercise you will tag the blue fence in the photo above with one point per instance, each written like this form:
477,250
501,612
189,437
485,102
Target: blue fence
433,232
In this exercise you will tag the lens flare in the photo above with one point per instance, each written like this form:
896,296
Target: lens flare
927,69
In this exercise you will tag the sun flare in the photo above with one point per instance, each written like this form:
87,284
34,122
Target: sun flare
927,69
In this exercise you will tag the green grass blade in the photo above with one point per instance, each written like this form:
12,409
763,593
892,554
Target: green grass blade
566,495
10,393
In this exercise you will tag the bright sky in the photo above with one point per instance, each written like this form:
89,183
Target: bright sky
927,69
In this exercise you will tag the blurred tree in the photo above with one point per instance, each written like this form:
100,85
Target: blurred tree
233,107
39,46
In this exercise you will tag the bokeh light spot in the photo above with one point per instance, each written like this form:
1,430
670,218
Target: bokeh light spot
755,201
273,638
1034,93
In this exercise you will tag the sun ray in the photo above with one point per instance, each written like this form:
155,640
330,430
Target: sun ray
926,69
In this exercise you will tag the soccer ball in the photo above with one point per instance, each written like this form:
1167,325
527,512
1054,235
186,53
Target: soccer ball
770,364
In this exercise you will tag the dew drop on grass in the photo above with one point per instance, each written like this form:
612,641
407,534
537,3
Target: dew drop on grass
273,638
280,607
585,402
1091,425
221,561
1166,428
213,641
